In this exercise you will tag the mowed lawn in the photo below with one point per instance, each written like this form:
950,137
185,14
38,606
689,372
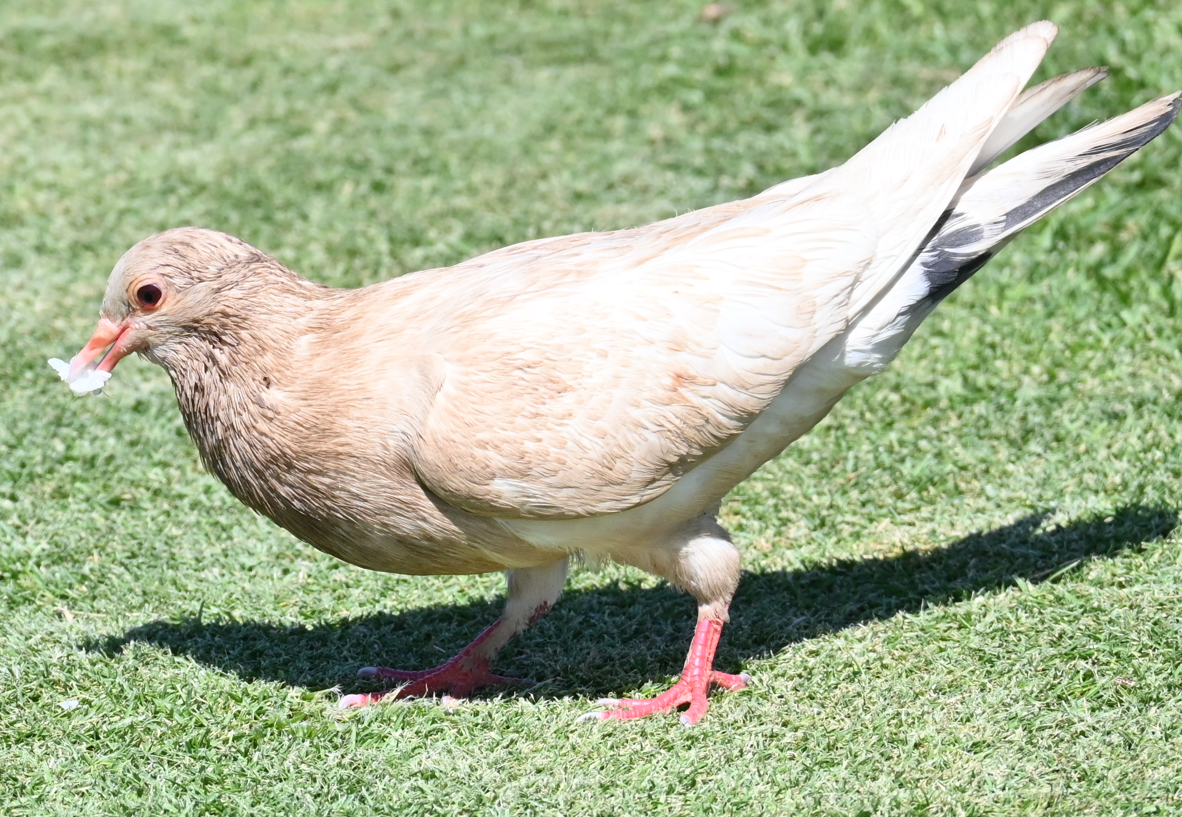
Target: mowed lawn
963,589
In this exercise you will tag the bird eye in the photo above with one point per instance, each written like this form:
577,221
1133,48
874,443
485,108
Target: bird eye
149,295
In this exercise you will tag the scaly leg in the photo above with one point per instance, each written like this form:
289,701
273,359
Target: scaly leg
532,593
696,680
707,565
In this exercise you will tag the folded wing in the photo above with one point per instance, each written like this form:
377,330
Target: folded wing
585,375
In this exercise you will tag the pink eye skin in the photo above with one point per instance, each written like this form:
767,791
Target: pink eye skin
148,295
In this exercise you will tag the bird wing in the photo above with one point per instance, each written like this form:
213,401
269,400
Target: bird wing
585,375
589,379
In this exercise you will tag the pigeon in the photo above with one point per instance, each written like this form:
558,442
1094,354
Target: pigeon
592,395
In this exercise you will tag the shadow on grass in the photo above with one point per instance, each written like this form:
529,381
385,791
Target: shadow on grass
616,638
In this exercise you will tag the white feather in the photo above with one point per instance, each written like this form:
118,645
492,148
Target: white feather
88,381
1035,105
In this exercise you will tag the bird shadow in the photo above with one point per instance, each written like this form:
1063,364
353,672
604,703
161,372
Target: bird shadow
616,638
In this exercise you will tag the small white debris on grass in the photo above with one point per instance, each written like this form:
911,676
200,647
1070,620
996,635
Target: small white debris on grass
70,704
88,381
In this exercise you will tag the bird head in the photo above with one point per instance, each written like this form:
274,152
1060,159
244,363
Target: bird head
163,291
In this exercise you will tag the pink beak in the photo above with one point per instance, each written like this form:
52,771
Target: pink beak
107,334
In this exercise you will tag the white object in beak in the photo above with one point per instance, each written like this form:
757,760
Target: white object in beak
88,381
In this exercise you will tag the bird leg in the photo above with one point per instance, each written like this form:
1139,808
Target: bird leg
532,593
706,564
696,679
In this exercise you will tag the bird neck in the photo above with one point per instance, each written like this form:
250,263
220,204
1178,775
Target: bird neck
234,385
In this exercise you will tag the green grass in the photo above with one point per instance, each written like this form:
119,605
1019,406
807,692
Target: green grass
963,588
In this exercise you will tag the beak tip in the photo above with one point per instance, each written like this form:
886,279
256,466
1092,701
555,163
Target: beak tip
89,370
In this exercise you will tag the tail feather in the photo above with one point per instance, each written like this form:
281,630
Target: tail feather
1035,105
1001,203
911,172
992,209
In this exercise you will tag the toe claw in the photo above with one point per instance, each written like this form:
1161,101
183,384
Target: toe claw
592,716
356,701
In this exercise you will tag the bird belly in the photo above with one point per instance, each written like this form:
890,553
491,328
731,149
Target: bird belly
457,544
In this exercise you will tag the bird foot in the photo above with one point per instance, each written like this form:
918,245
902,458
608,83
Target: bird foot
691,688
467,671
458,677
685,691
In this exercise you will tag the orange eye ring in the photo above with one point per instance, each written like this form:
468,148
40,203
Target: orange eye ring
147,294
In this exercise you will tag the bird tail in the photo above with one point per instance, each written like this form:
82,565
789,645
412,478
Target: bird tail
908,175
992,207
1031,108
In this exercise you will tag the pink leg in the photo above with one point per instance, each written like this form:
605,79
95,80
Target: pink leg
691,689
467,671
532,592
